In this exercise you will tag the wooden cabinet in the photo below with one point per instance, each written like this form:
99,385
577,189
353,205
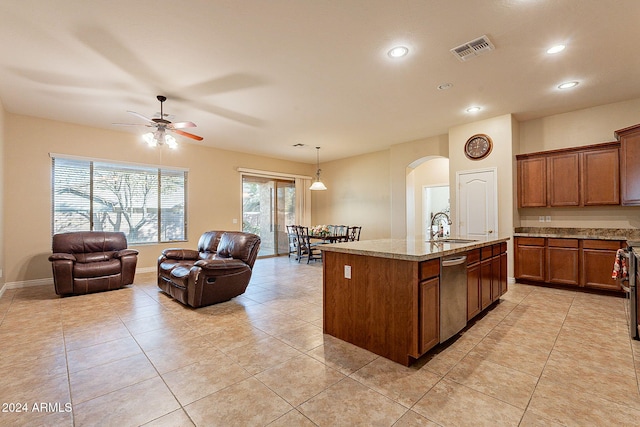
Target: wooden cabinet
581,176
429,314
569,262
388,306
563,180
629,165
474,306
601,177
562,261
529,258
597,264
486,277
532,182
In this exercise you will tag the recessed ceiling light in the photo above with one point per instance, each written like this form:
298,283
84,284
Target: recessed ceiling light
473,109
555,49
445,86
567,85
398,52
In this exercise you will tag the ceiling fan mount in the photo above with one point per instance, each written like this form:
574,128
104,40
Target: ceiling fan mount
162,125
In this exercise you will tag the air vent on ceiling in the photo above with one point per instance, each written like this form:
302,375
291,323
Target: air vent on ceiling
473,48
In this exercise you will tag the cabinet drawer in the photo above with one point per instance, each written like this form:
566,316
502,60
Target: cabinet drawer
530,241
429,269
563,243
486,252
602,244
473,256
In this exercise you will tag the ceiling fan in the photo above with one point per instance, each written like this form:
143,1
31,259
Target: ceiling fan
162,125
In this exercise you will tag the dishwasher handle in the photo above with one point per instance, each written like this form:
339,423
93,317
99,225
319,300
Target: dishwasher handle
450,262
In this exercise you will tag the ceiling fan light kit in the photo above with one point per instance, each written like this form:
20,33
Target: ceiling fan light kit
160,137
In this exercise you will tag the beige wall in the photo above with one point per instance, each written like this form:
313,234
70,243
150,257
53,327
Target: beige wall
577,128
358,193
214,189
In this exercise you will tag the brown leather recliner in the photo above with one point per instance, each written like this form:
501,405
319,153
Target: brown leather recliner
91,261
217,271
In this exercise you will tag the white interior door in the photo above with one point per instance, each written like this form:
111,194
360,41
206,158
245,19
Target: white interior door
477,202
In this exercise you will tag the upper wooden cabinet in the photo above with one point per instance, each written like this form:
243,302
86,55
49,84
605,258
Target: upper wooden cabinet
630,165
601,177
563,179
532,182
581,176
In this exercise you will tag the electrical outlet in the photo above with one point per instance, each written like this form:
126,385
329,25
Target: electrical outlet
548,218
347,272
235,220
541,218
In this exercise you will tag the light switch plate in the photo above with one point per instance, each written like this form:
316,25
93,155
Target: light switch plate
347,272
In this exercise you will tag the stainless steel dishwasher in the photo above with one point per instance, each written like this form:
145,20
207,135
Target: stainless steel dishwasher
453,296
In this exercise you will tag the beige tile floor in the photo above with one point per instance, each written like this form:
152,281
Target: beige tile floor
540,357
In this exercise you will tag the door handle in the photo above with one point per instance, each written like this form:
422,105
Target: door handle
490,231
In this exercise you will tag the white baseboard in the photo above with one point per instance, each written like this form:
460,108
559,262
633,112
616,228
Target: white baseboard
146,270
511,280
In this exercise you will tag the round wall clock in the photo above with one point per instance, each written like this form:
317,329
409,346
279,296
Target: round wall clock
478,146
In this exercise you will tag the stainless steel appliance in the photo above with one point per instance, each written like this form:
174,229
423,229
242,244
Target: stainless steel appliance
632,289
453,296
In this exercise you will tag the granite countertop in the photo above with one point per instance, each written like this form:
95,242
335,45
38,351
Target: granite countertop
579,233
410,249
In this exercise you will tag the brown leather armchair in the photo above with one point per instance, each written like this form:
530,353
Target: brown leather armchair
91,261
217,271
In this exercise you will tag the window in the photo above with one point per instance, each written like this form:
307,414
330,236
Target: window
148,204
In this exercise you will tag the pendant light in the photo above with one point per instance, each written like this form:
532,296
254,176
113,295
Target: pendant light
318,185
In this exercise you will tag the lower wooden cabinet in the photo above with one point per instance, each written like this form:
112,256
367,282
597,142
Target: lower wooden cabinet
563,257
529,258
474,306
597,264
429,314
486,277
569,262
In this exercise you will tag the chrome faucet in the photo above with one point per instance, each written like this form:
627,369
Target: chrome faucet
433,221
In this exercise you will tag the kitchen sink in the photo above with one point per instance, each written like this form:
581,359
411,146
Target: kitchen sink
452,240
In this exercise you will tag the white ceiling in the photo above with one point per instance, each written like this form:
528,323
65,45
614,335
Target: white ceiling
261,75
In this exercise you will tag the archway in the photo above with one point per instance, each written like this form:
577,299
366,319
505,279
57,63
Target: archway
426,172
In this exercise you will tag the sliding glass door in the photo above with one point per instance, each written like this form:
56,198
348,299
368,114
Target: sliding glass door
268,205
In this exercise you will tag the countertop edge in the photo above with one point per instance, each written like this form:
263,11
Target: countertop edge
453,248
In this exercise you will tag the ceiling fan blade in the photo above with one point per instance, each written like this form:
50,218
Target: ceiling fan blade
141,116
181,125
187,134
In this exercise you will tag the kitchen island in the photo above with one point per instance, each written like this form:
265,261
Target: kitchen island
384,295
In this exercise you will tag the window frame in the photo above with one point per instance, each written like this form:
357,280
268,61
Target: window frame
160,172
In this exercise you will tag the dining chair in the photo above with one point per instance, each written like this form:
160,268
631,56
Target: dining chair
292,234
353,234
305,247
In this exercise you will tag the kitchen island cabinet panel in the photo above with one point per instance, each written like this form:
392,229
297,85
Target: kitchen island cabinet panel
377,308
429,314
474,304
384,295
